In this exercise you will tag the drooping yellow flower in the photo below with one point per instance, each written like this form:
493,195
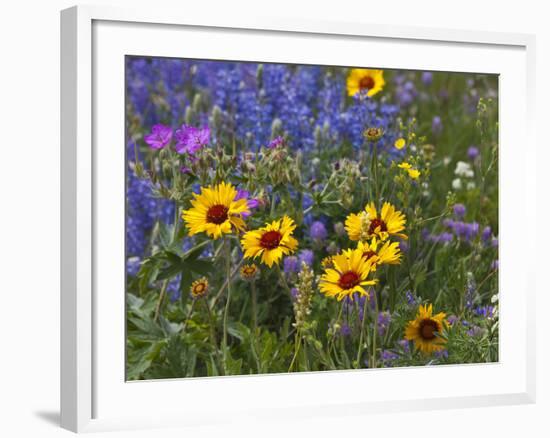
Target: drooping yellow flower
270,242
215,211
424,330
399,143
413,173
380,254
373,134
348,276
199,288
368,223
249,272
365,79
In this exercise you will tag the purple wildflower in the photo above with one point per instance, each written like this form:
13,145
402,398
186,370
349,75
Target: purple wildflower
290,265
459,210
276,142
318,231
294,293
411,299
250,202
190,139
441,354
475,331
159,137
345,330
186,170
452,319
384,319
427,78
494,265
306,256
485,311
405,345
473,152
486,234
437,125
388,356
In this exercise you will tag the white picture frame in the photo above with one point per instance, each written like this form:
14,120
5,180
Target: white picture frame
92,394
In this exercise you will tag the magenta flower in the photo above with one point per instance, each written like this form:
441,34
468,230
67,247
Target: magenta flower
190,139
159,137
276,142
250,202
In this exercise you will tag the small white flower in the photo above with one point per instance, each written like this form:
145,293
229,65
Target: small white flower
494,298
446,161
464,169
471,185
456,184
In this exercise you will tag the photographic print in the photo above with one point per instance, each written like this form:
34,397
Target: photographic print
284,218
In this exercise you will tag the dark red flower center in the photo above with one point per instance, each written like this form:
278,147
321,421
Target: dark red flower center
368,254
375,223
428,328
217,214
349,280
366,83
270,239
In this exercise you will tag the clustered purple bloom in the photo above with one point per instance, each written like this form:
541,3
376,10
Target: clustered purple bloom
318,231
291,265
252,203
459,210
405,91
276,142
452,319
159,137
473,152
143,210
486,234
305,256
470,293
350,305
485,311
411,299
388,357
384,320
345,330
427,78
437,126
466,231
190,139
444,237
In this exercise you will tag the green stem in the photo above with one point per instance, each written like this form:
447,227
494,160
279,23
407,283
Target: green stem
374,169
226,312
224,285
188,315
297,344
374,330
254,306
360,349
213,339
160,300
283,280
